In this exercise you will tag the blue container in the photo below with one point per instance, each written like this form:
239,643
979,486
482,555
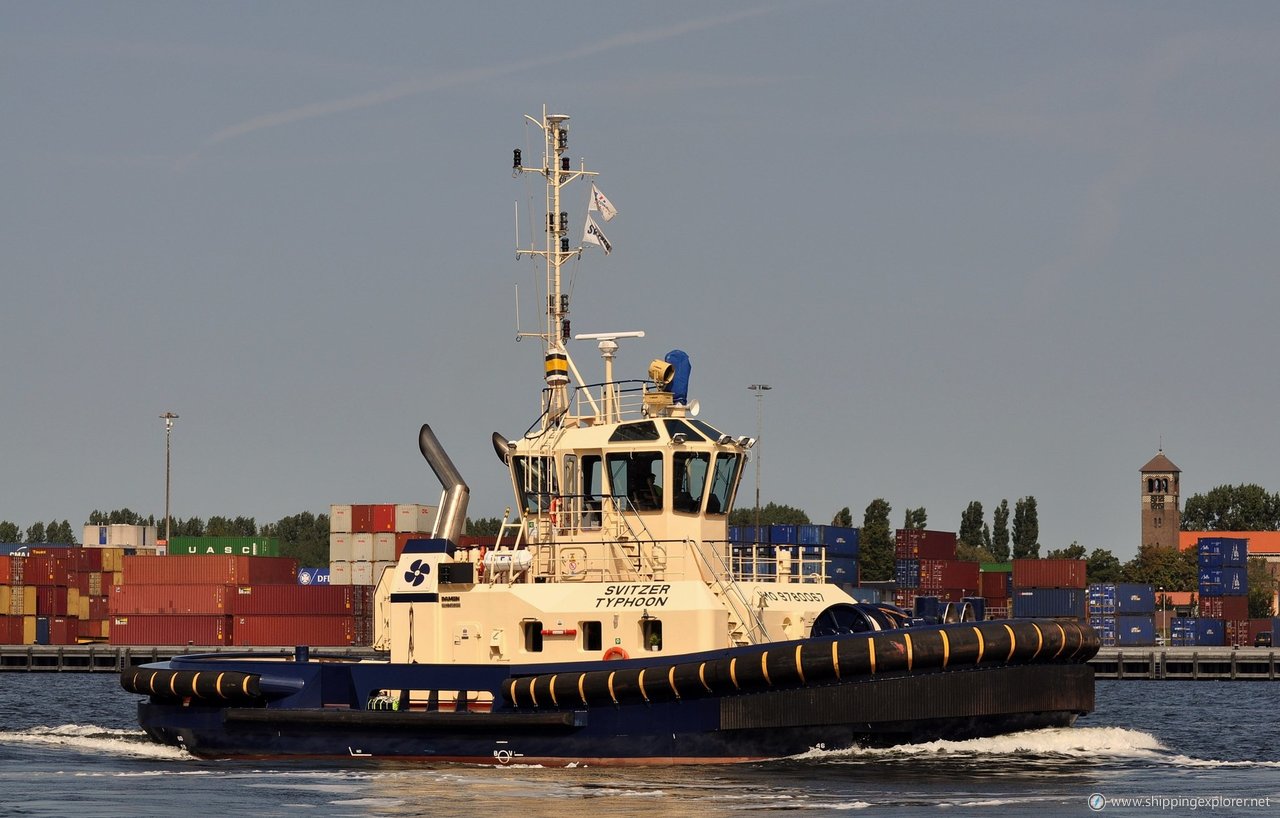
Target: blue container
1182,632
1235,551
1135,630
1210,576
780,534
809,534
1213,561
1235,581
1207,589
840,540
748,535
842,570
906,573
929,608
1209,545
1134,599
1210,632
1049,602
42,630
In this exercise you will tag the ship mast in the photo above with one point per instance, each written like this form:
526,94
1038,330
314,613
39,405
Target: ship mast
558,173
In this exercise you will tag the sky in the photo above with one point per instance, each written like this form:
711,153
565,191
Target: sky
979,251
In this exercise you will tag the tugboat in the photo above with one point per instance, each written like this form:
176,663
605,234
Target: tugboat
613,620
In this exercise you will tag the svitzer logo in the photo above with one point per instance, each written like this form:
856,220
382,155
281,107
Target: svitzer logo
417,573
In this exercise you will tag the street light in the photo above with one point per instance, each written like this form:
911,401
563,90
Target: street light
759,389
168,418
1164,617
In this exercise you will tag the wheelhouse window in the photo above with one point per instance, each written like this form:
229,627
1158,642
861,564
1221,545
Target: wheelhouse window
679,427
592,489
642,430
636,479
690,474
724,477
535,482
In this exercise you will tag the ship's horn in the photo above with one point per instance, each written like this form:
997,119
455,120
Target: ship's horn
452,519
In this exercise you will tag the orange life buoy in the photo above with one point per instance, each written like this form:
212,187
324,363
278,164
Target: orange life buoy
615,652
555,511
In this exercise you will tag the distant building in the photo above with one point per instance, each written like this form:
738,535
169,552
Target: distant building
1161,517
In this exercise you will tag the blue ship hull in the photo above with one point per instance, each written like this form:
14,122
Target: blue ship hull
951,682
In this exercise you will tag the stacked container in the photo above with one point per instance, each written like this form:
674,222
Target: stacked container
1224,586
365,540
1051,588
54,594
995,586
796,553
225,546
925,564
1123,613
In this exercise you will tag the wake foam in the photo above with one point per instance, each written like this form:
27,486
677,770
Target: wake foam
90,739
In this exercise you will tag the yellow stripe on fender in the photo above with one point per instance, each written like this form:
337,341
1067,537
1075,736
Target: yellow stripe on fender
1063,646
909,650
612,695
582,679
1039,640
982,646
552,685
1013,644
946,648
702,676
217,684
799,667
733,671
835,659
871,651
764,668
671,680
644,695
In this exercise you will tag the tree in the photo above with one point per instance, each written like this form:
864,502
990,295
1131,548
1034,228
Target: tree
843,518
973,553
1026,529
483,527
305,537
9,532
1000,532
876,542
60,532
915,518
1075,551
772,514
35,533
1262,589
1103,566
1169,568
1247,507
971,525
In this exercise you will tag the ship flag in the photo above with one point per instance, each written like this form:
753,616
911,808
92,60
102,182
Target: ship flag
592,233
600,203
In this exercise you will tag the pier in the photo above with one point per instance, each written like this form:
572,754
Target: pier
1187,664
115,658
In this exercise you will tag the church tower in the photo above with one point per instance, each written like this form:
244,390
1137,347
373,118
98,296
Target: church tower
1161,518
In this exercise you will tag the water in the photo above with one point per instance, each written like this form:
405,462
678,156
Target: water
69,745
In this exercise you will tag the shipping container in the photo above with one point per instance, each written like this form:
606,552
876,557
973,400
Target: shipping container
1124,598
414,518
384,548
1182,632
402,539
1224,607
361,547
209,570
361,518
1210,632
382,518
293,630
51,600
1235,581
340,546
995,584
167,629
340,572
783,534
1209,546
266,600
11,630
842,571
1135,631
840,541
46,569
1049,602
1054,573
1236,632
906,573
1212,561
137,598
1235,551
11,572
915,543
340,519
361,573
225,546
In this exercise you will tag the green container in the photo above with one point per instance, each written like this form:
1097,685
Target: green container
997,567
226,546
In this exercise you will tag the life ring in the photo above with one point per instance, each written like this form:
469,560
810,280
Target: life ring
615,652
555,512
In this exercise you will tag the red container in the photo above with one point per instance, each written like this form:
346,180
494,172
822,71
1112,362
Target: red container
362,599
1049,573
11,570
94,629
905,598
938,574
1257,626
361,519
46,569
993,584
258,600
293,630
63,630
209,569
403,538
51,600
1224,607
11,630
383,518
99,607
914,543
86,560
139,629
170,599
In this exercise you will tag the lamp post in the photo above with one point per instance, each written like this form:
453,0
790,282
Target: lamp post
168,418
759,389
1164,616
